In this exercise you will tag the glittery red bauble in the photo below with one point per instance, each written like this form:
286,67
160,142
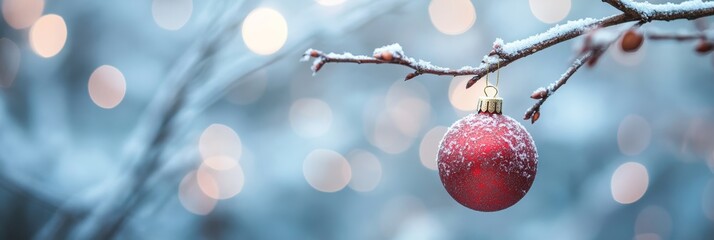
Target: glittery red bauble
487,161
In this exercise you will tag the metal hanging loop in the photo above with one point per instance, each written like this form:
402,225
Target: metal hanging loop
498,72
485,92
491,103
488,83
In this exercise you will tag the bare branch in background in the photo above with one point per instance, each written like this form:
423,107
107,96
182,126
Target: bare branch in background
704,38
171,111
678,36
503,54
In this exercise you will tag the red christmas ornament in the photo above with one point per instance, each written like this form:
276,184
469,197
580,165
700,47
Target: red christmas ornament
487,161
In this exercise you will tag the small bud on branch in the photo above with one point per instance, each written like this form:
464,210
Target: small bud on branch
704,47
631,41
539,93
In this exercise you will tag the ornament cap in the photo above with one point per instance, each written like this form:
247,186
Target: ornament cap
490,104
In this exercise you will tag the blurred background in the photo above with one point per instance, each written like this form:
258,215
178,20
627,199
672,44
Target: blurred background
181,119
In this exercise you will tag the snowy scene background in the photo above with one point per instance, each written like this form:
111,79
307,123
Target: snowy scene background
177,119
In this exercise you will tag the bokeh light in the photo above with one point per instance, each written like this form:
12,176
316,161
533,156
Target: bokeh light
192,197
411,114
366,170
384,134
421,226
220,184
219,140
48,35
107,86
550,11
698,138
452,17
633,135
264,31
462,99
629,182
654,220
330,2
9,62
20,14
310,117
429,147
171,14
408,107
326,170
392,122
220,162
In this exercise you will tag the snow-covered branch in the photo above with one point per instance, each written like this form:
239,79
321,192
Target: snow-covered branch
646,11
503,53
626,7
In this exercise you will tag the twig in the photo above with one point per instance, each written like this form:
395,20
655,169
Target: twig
591,52
533,113
391,54
680,36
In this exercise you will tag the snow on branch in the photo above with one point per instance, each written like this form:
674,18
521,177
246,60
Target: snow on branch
648,11
502,53
626,7
392,54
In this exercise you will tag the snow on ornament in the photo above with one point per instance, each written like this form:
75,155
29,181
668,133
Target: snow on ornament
487,161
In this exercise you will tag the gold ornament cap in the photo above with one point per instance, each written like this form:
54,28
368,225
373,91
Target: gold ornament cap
490,104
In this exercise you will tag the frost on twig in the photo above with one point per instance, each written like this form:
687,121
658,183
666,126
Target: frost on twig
502,53
390,54
542,94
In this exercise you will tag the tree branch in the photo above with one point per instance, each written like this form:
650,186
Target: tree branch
503,54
